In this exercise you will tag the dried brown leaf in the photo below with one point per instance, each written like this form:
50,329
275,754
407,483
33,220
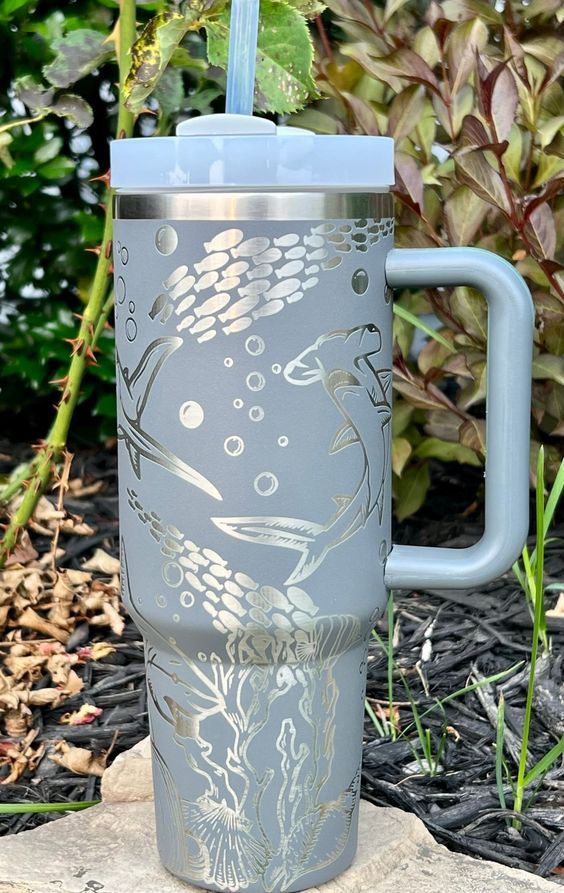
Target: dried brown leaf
101,563
79,760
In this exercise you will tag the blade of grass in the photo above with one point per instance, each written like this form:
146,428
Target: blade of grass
13,808
499,739
544,763
390,656
419,324
375,721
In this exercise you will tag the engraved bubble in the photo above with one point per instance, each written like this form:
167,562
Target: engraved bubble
187,599
202,656
166,239
191,414
383,552
132,306
124,255
173,573
130,329
234,445
161,601
266,483
176,618
283,441
238,403
360,281
256,413
120,290
228,362
254,345
276,368
255,381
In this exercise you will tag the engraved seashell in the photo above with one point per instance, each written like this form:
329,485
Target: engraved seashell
213,556
268,309
256,287
309,283
207,336
211,581
224,240
239,307
287,241
295,297
295,253
282,289
319,254
315,241
251,247
182,287
213,304
331,263
193,581
207,280
212,262
202,325
227,284
185,323
175,276
301,600
233,605
260,271
238,326
268,257
229,621
185,304
290,269
245,581
236,269
274,597
220,571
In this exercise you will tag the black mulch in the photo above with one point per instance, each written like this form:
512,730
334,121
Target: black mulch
444,641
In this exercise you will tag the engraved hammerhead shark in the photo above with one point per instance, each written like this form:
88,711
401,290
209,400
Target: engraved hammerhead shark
342,361
134,389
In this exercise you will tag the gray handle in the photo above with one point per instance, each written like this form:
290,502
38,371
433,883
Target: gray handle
509,358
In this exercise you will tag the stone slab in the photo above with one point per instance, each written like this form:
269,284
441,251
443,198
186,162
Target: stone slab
111,849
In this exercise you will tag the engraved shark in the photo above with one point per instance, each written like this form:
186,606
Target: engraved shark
134,389
342,361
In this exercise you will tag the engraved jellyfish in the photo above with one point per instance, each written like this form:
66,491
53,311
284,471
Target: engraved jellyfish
234,445
191,414
166,240
266,483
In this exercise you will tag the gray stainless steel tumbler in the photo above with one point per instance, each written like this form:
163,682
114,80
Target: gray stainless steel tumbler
254,269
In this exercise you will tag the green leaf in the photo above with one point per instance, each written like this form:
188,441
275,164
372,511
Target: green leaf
433,447
393,6
10,6
405,112
75,108
150,56
41,100
410,490
169,91
422,326
57,168
78,53
72,806
545,762
401,451
283,81
34,95
48,150
308,8
464,214
473,170
548,366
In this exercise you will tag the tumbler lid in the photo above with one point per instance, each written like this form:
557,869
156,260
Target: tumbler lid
245,152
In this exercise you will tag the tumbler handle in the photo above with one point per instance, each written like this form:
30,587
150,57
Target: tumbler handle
509,360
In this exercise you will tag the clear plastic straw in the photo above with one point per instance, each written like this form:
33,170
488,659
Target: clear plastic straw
242,56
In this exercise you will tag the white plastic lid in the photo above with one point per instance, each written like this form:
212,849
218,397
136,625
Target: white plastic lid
246,152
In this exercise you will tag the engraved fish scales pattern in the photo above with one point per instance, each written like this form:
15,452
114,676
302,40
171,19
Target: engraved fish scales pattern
262,624
239,280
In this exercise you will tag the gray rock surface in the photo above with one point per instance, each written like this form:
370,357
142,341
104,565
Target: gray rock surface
111,849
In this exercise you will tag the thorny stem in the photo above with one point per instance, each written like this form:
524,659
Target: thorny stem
36,477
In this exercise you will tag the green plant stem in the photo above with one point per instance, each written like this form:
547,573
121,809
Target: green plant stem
72,806
537,620
390,658
44,464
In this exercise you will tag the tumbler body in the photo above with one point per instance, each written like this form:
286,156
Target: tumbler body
254,353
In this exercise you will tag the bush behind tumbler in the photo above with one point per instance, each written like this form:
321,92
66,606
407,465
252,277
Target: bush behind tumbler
253,276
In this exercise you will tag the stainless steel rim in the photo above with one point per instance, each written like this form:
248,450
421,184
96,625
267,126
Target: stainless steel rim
252,205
